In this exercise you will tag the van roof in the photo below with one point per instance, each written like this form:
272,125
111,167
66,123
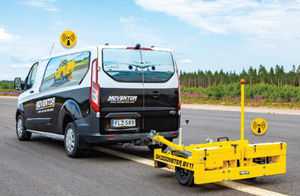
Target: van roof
100,47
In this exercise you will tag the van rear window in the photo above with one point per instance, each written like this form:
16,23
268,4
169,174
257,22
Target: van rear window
126,65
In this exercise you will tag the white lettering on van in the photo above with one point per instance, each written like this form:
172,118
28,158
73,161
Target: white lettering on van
45,105
122,99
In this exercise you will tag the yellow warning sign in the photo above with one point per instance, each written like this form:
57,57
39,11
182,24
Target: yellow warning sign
68,39
259,126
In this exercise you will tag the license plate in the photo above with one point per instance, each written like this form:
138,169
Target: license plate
122,123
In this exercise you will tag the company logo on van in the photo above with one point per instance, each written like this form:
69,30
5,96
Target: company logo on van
45,105
122,99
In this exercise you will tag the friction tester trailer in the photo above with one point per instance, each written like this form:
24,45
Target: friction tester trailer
221,160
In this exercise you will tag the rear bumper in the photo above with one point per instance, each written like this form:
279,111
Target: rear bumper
122,138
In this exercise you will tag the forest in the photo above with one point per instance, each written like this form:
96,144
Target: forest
274,87
275,76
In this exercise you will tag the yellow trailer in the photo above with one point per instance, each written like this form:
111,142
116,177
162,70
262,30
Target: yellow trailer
221,160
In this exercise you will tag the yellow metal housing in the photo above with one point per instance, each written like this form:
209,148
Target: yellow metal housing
219,161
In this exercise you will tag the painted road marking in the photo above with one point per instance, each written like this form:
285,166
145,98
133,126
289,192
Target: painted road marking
229,184
15,97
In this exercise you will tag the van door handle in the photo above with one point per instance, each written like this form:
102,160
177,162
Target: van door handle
31,91
155,94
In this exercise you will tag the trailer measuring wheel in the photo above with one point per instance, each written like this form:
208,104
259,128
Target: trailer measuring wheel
184,177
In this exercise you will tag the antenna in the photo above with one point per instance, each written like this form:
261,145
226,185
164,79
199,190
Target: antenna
52,48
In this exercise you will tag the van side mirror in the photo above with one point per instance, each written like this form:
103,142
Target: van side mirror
18,84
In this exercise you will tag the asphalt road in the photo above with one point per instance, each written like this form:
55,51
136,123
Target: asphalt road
41,167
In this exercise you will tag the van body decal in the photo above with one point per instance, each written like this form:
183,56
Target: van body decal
45,105
122,99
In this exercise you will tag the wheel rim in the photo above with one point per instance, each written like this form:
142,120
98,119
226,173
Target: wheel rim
183,174
20,128
70,140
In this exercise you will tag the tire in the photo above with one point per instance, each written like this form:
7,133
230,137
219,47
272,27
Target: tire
184,177
71,141
163,147
22,134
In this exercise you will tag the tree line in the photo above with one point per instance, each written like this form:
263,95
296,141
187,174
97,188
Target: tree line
274,76
6,84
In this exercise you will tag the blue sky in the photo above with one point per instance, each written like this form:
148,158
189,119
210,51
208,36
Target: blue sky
204,34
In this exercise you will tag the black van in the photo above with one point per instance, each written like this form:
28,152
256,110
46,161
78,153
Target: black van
100,94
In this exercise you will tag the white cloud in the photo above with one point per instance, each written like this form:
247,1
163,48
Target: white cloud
140,33
185,61
20,65
266,20
130,19
60,23
7,37
45,4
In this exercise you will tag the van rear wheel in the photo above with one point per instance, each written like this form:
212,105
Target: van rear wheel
71,141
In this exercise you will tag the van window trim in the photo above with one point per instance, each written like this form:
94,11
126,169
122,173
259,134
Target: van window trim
173,62
66,55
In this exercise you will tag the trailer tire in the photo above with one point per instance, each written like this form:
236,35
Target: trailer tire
184,177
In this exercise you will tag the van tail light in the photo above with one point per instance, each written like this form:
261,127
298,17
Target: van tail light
95,88
179,99
134,48
179,94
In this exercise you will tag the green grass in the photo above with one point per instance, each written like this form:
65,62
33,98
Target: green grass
255,95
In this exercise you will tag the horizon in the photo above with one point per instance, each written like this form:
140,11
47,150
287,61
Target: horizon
204,35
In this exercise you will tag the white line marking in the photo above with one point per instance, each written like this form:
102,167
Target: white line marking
13,97
229,184
248,189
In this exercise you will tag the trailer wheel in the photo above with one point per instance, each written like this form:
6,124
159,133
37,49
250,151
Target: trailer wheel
184,177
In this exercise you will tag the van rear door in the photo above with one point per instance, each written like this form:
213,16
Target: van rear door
160,91
138,84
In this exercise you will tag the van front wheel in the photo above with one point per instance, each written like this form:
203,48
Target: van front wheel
71,140
22,134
